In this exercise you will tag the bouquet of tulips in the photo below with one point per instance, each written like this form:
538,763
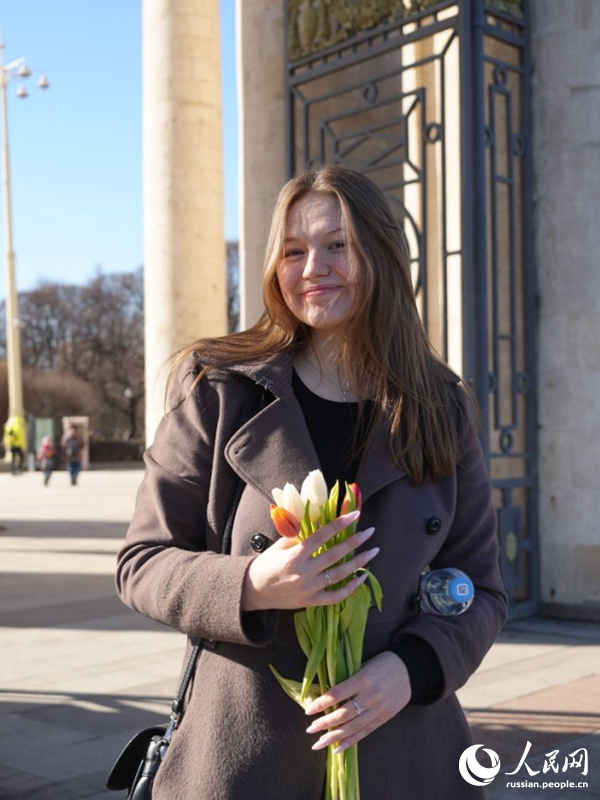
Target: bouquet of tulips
331,636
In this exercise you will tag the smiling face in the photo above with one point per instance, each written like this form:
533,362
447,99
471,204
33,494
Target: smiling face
314,273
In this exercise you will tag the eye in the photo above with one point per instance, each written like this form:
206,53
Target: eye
340,245
293,252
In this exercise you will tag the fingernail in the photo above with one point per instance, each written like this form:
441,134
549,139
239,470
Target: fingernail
318,745
340,748
311,727
372,553
366,533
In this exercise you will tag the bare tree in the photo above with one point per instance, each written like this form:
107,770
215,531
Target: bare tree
46,322
57,394
94,333
110,351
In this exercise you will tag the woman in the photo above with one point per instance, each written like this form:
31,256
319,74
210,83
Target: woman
45,455
352,387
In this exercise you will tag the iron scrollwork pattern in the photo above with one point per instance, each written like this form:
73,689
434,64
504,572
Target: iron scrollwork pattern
399,90
371,104
510,308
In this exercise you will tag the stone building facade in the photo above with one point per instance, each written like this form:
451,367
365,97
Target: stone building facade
566,113
185,291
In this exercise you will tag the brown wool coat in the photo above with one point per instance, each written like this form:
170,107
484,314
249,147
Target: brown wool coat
240,737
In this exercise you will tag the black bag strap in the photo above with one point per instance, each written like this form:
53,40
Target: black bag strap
177,704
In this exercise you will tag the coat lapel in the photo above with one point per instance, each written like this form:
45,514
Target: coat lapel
377,469
273,448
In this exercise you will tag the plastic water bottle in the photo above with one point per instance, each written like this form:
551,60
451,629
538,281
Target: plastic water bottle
447,592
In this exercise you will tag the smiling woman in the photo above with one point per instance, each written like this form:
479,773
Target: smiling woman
318,286
314,274
337,375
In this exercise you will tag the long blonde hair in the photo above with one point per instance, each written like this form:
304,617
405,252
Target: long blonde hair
386,351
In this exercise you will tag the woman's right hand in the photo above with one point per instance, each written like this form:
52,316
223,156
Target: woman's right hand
288,575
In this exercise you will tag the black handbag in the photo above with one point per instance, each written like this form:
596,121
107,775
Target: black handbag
136,767
138,763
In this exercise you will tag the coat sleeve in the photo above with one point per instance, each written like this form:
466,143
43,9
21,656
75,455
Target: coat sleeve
461,642
165,570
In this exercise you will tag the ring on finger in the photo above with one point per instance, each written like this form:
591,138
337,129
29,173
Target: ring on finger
327,578
358,707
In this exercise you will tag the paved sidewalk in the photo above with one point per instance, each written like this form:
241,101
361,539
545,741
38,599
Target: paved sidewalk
79,672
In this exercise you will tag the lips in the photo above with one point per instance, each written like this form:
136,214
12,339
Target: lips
321,289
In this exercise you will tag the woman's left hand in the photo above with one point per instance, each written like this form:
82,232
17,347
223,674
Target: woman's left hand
378,691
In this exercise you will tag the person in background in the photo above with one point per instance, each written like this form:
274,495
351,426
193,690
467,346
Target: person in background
15,441
45,456
72,446
352,386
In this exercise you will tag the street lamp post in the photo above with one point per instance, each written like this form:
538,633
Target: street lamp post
14,69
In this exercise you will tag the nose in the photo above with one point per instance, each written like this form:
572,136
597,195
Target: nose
316,263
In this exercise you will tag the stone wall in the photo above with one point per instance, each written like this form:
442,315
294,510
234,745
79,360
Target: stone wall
566,118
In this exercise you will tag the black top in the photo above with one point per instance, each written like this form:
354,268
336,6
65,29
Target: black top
331,425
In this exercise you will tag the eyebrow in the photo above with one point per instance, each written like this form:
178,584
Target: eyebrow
327,233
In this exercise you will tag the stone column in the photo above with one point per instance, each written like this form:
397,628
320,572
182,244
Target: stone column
184,260
566,115
262,139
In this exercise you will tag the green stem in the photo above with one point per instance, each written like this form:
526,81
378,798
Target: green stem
352,753
343,775
328,775
332,642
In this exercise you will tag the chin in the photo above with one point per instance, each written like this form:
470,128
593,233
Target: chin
326,325
326,316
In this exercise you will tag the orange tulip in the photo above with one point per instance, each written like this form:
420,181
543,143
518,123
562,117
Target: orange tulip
286,524
352,500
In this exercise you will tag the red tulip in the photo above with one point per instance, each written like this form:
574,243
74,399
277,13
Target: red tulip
352,500
285,523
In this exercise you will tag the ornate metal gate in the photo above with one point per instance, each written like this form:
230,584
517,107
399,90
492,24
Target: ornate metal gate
431,99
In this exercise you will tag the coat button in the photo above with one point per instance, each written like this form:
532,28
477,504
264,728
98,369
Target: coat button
414,601
434,525
259,542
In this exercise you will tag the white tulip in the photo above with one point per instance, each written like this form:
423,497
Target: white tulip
289,498
314,489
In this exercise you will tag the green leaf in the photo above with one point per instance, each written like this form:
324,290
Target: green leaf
376,590
319,643
303,632
314,622
334,495
349,497
356,622
331,637
293,689
346,614
343,668
306,528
